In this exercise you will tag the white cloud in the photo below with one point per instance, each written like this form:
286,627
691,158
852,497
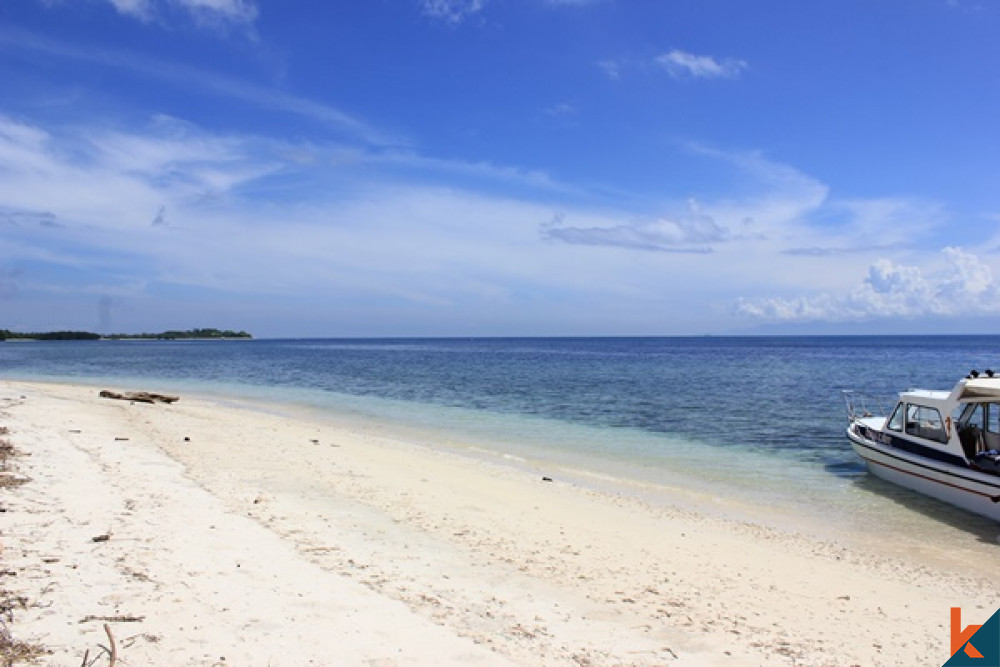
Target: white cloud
237,12
960,285
454,12
115,179
611,67
140,9
694,232
779,199
873,225
240,10
681,64
451,11
129,213
370,240
769,206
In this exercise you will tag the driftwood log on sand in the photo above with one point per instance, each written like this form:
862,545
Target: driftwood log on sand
139,396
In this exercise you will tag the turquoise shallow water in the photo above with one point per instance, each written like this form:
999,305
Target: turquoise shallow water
757,424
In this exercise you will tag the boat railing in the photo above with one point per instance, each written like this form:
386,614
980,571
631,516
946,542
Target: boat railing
860,405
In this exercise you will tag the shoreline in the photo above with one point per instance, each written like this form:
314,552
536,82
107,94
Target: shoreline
471,558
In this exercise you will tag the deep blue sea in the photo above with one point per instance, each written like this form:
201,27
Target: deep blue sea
752,420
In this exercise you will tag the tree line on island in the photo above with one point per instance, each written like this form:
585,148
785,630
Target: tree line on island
191,334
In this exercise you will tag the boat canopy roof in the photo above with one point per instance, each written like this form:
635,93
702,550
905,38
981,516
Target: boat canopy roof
927,393
970,389
978,388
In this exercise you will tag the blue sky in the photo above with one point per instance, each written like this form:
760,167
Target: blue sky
500,167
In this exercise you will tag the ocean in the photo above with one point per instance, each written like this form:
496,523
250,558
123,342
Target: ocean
751,427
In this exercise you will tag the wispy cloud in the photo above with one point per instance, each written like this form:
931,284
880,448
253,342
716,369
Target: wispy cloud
966,5
681,64
97,167
130,213
212,12
451,12
958,285
455,12
873,225
821,251
19,218
140,9
264,97
482,173
611,67
774,202
9,280
199,206
561,110
693,233
775,209
780,229
402,239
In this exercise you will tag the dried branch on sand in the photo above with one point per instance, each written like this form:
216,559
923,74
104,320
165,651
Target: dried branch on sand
8,477
112,652
139,396
114,619
13,651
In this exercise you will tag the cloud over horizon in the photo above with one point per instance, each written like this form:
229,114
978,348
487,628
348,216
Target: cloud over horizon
170,203
960,284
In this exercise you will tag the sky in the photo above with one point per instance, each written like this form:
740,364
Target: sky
500,167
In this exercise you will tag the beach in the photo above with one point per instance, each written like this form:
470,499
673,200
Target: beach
229,532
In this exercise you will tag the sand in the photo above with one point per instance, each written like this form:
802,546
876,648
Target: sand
228,534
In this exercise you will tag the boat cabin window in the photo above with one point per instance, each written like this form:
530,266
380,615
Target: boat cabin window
925,422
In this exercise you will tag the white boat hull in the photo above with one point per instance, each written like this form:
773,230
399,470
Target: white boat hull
963,487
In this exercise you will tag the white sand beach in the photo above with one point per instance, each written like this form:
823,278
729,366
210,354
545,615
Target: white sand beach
232,535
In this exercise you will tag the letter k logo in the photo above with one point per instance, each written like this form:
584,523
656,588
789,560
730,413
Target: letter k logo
960,636
976,645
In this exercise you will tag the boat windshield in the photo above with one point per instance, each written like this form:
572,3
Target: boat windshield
896,421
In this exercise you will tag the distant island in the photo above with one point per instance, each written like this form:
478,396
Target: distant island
191,334
182,335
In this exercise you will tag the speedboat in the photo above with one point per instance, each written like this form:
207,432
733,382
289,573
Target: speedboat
944,444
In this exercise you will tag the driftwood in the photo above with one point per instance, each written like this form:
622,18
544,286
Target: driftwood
113,653
139,396
115,619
